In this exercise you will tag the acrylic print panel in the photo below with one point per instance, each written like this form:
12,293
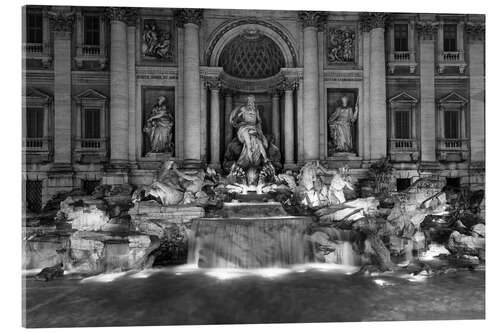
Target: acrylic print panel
335,221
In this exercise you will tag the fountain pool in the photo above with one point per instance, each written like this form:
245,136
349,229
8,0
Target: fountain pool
304,293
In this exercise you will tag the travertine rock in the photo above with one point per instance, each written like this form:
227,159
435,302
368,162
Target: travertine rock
85,213
463,244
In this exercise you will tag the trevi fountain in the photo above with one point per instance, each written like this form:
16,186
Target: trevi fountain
255,243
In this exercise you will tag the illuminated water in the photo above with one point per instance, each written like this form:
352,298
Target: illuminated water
312,293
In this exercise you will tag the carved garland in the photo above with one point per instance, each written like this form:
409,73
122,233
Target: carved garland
232,25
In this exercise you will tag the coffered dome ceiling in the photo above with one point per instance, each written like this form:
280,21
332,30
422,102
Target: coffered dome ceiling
251,55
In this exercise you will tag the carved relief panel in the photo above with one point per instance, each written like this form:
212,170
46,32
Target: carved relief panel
158,120
158,41
341,45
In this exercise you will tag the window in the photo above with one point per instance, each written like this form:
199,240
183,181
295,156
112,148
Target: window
452,124
34,122
400,37
91,26
92,124
34,28
402,124
34,195
450,37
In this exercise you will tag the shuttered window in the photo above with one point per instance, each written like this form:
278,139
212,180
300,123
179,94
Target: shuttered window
401,37
402,124
92,124
34,30
452,124
450,37
34,122
91,28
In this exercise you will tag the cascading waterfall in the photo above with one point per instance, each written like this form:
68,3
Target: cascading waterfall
249,242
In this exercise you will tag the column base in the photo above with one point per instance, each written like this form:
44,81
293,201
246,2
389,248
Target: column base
191,164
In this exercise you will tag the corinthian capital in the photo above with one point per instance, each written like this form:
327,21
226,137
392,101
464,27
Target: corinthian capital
213,83
312,19
288,84
131,15
189,15
371,21
475,31
61,19
116,14
427,29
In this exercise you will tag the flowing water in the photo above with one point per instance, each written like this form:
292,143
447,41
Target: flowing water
305,293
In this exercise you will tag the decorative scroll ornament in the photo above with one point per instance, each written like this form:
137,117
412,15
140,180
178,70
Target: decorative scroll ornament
117,14
427,29
341,42
312,19
61,20
371,21
189,15
475,30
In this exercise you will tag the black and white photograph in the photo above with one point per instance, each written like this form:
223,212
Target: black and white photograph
212,166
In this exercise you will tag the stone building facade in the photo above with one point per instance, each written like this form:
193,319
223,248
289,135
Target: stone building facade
413,86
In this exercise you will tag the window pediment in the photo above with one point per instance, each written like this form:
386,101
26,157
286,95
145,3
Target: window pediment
36,96
403,97
91,94
453,98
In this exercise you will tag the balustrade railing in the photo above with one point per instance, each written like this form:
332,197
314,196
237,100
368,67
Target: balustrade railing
453,144
452,56
403,144
33,48
36,144
91,50
92,144
401,56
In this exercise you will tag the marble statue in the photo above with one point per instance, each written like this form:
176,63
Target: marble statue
159,127
250,157
173,187
336,190
247,120
340,124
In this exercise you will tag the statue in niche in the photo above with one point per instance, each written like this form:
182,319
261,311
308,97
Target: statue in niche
340,124
247,120
250,158
341,45
159,127
156,42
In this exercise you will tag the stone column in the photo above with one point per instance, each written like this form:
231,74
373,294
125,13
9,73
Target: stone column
276,117
214,124
476,73
62,25
311,22
131,34
288,88
375,23
427,31
191,20
119,88
228,107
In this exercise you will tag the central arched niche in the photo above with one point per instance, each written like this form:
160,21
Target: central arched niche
251,55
